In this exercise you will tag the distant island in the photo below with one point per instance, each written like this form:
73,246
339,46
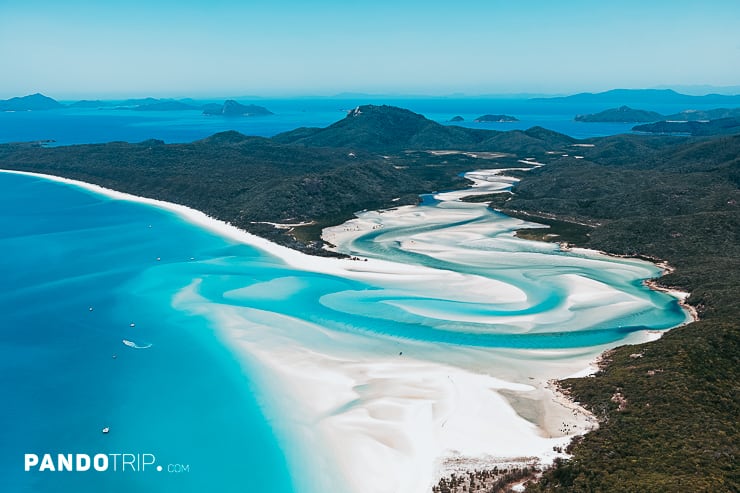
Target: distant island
623,114
86,103
232,108
704,115
721,126
457,119
714,121
34,102
496,118
642,96
165,106
39,102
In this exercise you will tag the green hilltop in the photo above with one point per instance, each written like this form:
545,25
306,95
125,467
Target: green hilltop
390,129
623,114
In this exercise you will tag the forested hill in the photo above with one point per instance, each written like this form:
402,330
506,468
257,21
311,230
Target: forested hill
389,129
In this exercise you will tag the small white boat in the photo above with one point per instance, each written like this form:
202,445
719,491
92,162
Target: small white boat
106,429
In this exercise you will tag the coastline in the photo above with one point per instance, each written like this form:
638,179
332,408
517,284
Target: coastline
372,269
682,296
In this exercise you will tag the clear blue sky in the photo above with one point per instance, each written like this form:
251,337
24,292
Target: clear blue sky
86,48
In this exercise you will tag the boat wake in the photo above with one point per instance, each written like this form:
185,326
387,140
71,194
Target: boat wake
133,345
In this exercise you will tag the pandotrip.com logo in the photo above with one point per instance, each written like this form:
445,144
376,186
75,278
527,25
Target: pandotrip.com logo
118,462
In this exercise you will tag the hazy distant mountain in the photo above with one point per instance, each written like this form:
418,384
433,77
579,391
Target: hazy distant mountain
623,114
495,118
85,103
714,114
232,108
165,106
139,102
34,102
457,119
642,96
700,89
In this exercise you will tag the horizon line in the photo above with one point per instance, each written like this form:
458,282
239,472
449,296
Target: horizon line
728,91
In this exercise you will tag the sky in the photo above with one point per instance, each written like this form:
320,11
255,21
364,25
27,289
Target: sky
178,48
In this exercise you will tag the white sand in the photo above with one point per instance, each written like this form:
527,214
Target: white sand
392,420
386,422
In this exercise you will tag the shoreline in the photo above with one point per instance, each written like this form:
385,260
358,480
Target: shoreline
682,297
372,269
654,283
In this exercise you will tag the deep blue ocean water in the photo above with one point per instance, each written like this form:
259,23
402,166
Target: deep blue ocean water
81,126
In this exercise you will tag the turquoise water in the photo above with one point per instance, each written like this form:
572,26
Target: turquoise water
64,250
188,399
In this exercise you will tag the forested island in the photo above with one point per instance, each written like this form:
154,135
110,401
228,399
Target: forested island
496,118
232,108
721,126
718,121
623,114
670,198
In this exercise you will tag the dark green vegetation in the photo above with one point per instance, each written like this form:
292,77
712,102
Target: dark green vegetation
623,114
483,481
490,198
673,198
232,108
566,232
722,126
34,102
496,118
676,200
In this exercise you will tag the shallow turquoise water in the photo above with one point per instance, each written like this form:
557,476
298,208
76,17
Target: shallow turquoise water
187,399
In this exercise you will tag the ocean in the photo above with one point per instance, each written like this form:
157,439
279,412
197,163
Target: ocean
84,126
